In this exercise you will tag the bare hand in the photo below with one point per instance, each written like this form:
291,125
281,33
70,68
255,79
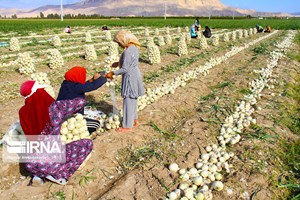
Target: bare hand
109,75
96,76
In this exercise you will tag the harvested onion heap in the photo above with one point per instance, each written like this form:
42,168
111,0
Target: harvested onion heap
146,32
153,54
168,39
161,41
167,30
113,49
245,33
56,41
188,37
225,37
215,40
178,30
111,121
181,46
74,129
55,59
90,53
199,181
14,44
203,43
233,35
109,60
156,32
88,37
250,31
42,79
165,88
108,36
239,34
150,41
254,30
187,29
107,67
25,63
283,46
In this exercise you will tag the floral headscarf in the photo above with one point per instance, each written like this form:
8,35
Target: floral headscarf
124,38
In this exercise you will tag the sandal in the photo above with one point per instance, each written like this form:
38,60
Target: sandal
121,129
60,181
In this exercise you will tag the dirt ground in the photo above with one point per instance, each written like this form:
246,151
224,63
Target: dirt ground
118,169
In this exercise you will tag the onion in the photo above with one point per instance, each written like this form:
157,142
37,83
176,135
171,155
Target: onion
173,167
217,185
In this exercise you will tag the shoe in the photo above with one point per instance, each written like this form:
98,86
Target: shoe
136,123
60,181
36,182
121,129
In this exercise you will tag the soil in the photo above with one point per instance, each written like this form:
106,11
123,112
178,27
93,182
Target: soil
121,173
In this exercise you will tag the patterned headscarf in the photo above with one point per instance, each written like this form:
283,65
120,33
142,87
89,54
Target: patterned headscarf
125,38
76,74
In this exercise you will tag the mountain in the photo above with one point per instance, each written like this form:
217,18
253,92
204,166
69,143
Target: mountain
144,8
296,13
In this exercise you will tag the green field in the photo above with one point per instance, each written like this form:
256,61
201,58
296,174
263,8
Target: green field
24,26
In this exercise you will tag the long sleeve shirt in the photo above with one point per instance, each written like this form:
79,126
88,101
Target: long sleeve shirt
70,90
132,83
193,32
207,33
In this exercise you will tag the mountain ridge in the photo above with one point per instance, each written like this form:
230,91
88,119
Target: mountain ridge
142,8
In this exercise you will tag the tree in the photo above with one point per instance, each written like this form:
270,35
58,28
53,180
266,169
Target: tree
42,15
56,16
50,16
14,16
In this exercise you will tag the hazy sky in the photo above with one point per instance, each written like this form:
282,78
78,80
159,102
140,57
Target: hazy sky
266,5
259,5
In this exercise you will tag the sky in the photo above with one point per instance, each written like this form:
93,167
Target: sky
31,3
266,5
258,5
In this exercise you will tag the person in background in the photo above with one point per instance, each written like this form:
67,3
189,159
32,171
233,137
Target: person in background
259,28
193,32
268,29
68,29
132,83
197,24
104,28
42,115
207,32
75,85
